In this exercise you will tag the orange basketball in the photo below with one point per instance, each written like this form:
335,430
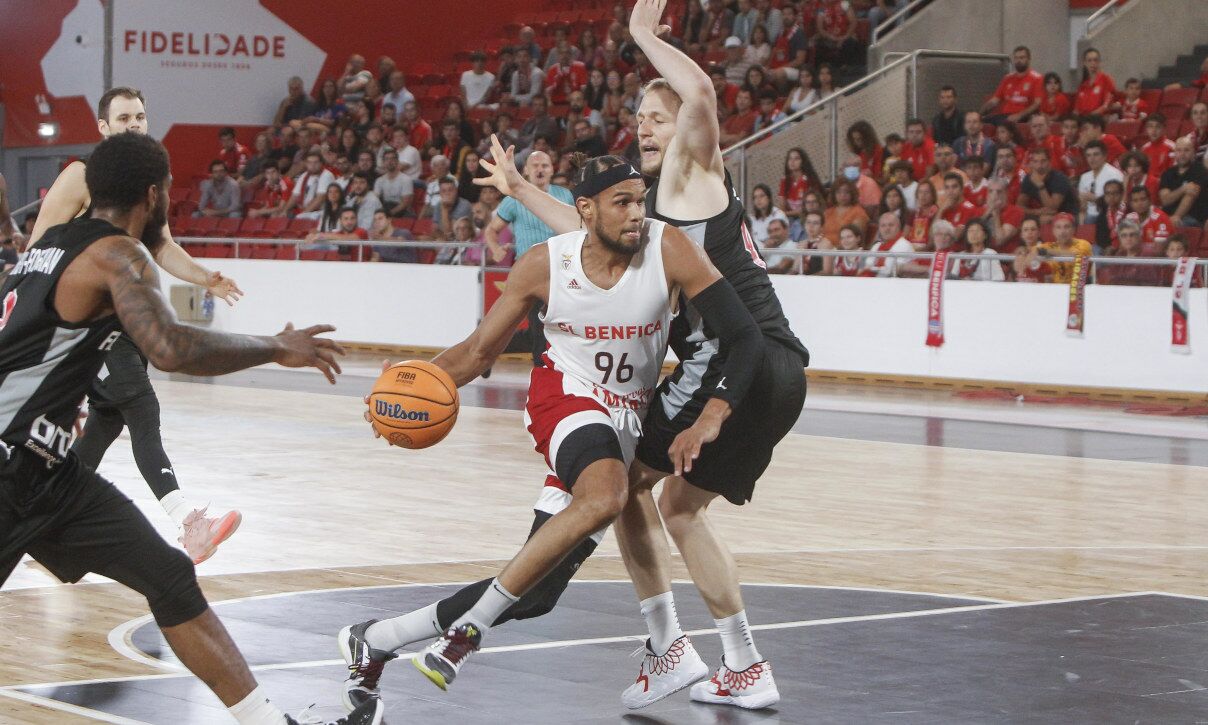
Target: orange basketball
414,404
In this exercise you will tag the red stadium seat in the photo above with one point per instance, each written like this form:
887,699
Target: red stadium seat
251,226
1172,127
227,227
286,251
194,195
195,250
1195,237
1152,97
179,193
273,226
311,255
1173,112
1085,231
263,251
220,250
403,223
1126,131
422,227
299,228
201,226
1046,232
244,251
1180,96
1185,128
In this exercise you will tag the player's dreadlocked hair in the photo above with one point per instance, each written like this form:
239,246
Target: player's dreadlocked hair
122,167
586,167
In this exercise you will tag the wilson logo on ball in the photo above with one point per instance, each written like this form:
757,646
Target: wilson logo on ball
398,412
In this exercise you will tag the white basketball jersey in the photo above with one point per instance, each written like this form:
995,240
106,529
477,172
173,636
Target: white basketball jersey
609,343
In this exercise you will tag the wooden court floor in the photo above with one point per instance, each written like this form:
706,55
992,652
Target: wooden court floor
326,506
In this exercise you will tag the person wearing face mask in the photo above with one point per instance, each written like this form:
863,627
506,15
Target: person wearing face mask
868,192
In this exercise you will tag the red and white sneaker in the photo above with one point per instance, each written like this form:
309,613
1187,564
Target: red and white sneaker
201,534
752,689
665,674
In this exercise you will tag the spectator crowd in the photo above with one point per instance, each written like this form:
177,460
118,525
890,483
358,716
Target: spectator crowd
1032,171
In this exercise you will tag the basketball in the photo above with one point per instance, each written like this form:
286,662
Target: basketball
414,404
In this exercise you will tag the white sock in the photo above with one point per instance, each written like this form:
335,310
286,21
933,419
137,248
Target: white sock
393,634
662,621
177,506
255,709
493,602
736,641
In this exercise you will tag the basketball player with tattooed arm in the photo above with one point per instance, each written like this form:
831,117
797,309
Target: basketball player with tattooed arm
678,138
124,396
609,290
75,293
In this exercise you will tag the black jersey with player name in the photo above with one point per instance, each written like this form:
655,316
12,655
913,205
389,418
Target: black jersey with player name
728,242
46,363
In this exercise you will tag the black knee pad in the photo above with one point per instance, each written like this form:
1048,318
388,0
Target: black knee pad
542,599
174,596
583,447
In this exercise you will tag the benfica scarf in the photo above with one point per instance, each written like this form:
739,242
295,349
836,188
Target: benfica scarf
1073,323
1180,289
935,299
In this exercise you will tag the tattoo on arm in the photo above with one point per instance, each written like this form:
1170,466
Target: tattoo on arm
170,345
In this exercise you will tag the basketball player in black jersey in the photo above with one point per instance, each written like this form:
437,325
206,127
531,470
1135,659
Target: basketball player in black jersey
678,137
124,397
74,294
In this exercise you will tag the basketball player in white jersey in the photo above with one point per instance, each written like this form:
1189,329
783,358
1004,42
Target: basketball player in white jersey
608,291
124,396
678,137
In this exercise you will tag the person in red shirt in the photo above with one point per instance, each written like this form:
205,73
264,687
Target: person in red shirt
1030,265
1009,171
1019,94
1054,102
419,131
1158,148
742,123
919,149
836,39
1155,224
1066,153
1097,93
273,194
926,211
1199,128
1090,128
727,92
1135,166
862,140
798,180
233,154
976,187
1002,217
564,78
956,209
1132,107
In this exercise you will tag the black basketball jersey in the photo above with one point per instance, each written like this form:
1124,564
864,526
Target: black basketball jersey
47,364
728,242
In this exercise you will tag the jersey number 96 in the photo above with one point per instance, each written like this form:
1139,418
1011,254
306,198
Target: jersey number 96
606,365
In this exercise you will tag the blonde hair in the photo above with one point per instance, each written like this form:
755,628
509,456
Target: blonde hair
661,84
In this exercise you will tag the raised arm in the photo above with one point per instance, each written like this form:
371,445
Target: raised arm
132,283
559,216
527,283
724,313
697,131
67,197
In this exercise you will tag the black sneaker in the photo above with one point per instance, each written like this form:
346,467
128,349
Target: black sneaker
441,660
364,663
370,713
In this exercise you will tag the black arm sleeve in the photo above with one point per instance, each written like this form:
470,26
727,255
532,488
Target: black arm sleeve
741,341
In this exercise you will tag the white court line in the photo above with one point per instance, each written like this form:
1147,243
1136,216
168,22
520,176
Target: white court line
626,638
69,708
121,636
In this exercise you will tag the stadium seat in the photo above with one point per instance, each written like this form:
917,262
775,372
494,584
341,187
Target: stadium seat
1172,127
273,227
245,251
1173,112
422,227
403,223
1085,231
1194,237
263,251
194,195
185,209
299,228
1152,97
179,193
227,227
220,251
1126,131
1180,96
286,251
251,226
201,226
312,255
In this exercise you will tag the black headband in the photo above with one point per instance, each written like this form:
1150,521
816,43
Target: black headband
595,184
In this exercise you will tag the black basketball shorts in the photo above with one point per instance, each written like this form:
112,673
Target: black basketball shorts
730,465
125,376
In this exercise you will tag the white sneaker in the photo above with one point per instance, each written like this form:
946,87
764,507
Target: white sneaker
666,674
752,689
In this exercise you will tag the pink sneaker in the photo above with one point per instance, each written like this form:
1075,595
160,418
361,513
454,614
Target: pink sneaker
201,535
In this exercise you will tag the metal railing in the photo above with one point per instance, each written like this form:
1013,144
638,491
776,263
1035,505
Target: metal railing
1102,15
892,21
829,109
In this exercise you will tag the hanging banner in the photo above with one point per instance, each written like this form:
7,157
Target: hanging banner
935,299
1180,289
1073,322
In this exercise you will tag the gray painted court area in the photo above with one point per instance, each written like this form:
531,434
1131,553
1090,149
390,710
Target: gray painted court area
882,657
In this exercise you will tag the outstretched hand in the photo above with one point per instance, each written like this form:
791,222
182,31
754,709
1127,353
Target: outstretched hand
368,418
302,348
647,16
502,169
223,288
